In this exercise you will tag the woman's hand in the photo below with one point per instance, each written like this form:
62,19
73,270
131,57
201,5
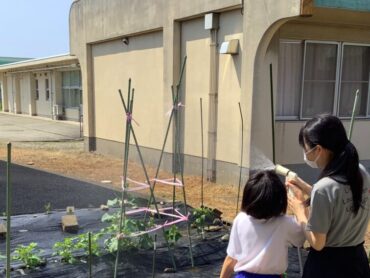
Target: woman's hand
296,204
297,182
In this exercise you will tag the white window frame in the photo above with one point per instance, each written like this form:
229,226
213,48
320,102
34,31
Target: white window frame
367,116
338,80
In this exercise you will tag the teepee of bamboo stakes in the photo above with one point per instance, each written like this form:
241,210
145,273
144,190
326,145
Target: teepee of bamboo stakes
130,131
174,120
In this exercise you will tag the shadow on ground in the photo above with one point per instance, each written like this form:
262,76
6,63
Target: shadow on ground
32,189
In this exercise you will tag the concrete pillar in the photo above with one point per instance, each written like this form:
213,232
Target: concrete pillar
171,69
4,91
258,32
32,92
87,70
17,94
57,88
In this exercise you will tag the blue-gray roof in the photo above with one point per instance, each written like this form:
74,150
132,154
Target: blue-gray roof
7,60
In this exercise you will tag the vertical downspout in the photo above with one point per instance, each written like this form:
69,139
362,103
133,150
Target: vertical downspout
213,101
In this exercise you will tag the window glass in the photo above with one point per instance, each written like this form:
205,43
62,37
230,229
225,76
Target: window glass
319,78
47,89
289,79
71,89
355,76
37,89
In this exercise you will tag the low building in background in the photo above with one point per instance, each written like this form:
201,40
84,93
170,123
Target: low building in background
8,60
46,87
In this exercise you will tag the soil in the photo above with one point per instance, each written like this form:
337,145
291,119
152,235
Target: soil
70,159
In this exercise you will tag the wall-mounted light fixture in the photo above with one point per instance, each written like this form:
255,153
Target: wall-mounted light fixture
125,40
230,47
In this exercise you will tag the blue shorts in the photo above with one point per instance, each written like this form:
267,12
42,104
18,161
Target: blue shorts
244,274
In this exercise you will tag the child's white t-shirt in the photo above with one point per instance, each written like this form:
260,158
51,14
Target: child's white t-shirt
261,246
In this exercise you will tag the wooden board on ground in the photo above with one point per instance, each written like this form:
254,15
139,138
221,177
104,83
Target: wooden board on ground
2,230
70,223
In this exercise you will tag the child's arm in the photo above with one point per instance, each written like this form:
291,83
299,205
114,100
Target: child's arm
228,267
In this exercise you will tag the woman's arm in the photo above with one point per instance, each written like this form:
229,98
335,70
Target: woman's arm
228,267
316,240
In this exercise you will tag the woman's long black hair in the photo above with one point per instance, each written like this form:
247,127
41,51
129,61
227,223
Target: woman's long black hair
328,131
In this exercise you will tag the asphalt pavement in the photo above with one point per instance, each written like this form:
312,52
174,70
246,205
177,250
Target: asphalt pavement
20,128
32,189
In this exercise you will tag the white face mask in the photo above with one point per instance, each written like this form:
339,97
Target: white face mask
312,164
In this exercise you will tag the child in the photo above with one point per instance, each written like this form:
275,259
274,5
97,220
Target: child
261,232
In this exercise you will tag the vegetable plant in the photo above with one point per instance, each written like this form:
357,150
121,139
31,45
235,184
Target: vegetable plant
29,255
83,243
202,216
115,203
173,235
64,249
129,227
47,208
70,246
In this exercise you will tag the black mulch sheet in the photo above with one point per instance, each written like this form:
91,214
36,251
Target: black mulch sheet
46,230
33,189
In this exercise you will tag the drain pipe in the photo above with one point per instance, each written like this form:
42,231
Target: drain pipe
211,22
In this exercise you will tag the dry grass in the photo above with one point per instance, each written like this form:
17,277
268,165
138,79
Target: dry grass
69,159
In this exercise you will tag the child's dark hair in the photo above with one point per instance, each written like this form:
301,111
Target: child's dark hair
264,196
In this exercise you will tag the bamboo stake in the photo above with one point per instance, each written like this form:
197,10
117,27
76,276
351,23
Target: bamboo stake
201,132
154,255
8,208
241,160
181,168
148,182
90,257
175,104
353,114
125,167
169,124
272,115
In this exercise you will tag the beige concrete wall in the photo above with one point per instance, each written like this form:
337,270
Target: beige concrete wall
94,26
261,21
195,45
229,90
113,64
94,21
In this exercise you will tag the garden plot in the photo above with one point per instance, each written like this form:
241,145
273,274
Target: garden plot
135,261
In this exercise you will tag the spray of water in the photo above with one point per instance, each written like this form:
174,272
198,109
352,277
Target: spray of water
259,160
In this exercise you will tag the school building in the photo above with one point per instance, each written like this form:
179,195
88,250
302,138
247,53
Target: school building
319,51
46,87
